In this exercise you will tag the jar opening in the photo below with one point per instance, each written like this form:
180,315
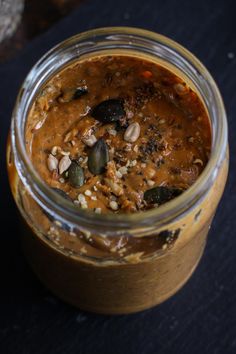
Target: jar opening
132,40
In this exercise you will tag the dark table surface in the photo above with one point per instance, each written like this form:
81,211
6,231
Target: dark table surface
201,318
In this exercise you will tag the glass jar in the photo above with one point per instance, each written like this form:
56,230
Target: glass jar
54,230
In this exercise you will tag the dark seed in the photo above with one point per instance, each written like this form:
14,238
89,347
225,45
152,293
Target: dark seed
121,124
160,195
76,175
98,157
109,111
80,91
62,193
168,237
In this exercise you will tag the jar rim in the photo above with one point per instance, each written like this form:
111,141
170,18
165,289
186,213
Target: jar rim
157,216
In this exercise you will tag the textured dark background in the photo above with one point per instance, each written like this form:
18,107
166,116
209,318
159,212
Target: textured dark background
201,318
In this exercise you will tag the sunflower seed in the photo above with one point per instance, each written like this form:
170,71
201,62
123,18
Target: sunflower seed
52,162
64,164
132,132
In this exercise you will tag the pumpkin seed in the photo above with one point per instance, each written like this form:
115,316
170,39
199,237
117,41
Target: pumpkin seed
80,91
109,111
160,195
76,175
62,193
98,157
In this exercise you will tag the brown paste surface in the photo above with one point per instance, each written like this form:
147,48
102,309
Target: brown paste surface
168,146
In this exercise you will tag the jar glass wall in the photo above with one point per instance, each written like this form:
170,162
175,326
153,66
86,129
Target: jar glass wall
162,245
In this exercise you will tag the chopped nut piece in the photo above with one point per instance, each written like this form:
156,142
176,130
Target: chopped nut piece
114,205
98,210
65,153
128,147
198,161
81,198
134,258
115,187
133,163
119,174
129,114
112,132
54,150
181,89
52,162
88,193
150,183
132,132
123,170
64,164
90,141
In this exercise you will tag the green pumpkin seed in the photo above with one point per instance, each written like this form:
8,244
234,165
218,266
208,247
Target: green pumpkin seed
160,195
62,193
75,175
98,157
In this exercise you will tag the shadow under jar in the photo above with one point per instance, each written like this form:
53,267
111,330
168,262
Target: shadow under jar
54,230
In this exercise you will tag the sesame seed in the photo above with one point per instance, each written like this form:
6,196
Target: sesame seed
94,197
88,193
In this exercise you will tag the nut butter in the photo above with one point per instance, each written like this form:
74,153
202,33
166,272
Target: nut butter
117,161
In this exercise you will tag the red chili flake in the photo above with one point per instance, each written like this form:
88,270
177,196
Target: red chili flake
146,74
